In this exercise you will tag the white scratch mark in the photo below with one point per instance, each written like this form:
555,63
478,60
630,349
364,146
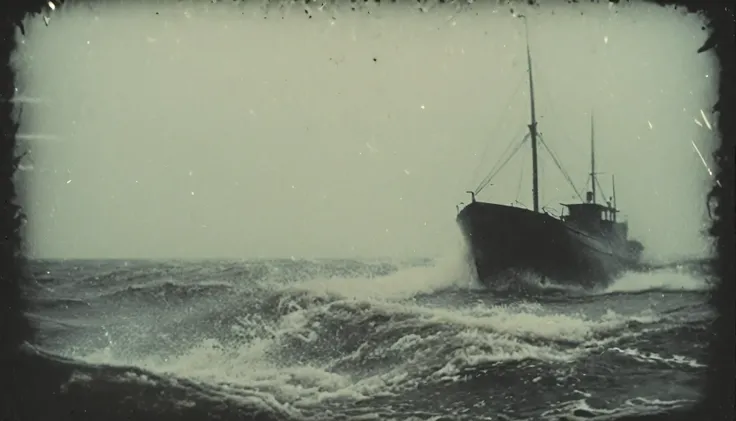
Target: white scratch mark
407,172
30,136
650,124
421,106
698,123
192,193
705,164
605,40
52,6
705,119
68,181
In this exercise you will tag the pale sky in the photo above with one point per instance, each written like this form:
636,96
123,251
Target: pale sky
191,130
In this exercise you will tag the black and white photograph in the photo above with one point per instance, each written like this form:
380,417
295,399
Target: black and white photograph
369,210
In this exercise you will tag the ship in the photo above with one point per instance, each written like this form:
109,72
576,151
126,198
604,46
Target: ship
585,245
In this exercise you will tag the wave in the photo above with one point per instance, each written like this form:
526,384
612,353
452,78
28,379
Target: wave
668,280
53,303
405,283
310,349
358,339
163,289
530,285
351,278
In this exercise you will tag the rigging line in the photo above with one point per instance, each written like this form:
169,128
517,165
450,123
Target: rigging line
521,177
558,164
600,189
495,168
497,126
503,164
505,151
490,177
562,170
556,198
499,165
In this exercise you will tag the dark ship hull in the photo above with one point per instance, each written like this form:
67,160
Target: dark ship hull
586,248
505,239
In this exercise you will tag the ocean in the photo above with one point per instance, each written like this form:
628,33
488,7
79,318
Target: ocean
371,340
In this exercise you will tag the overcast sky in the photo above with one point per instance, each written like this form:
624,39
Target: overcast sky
200,130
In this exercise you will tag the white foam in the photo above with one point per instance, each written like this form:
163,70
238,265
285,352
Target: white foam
653,357
450,270
667,280
455,338
438,344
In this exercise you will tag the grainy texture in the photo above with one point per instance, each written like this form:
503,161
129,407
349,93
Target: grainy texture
322,341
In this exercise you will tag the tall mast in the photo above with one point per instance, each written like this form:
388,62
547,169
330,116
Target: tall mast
592,156
533,124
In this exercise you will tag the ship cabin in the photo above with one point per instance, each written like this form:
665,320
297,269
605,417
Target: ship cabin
595,217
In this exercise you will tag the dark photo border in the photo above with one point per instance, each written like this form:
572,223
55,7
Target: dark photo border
30,383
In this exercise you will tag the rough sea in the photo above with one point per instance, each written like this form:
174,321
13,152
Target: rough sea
371,340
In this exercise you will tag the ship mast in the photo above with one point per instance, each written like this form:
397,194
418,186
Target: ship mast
613,186
592,156
533,124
